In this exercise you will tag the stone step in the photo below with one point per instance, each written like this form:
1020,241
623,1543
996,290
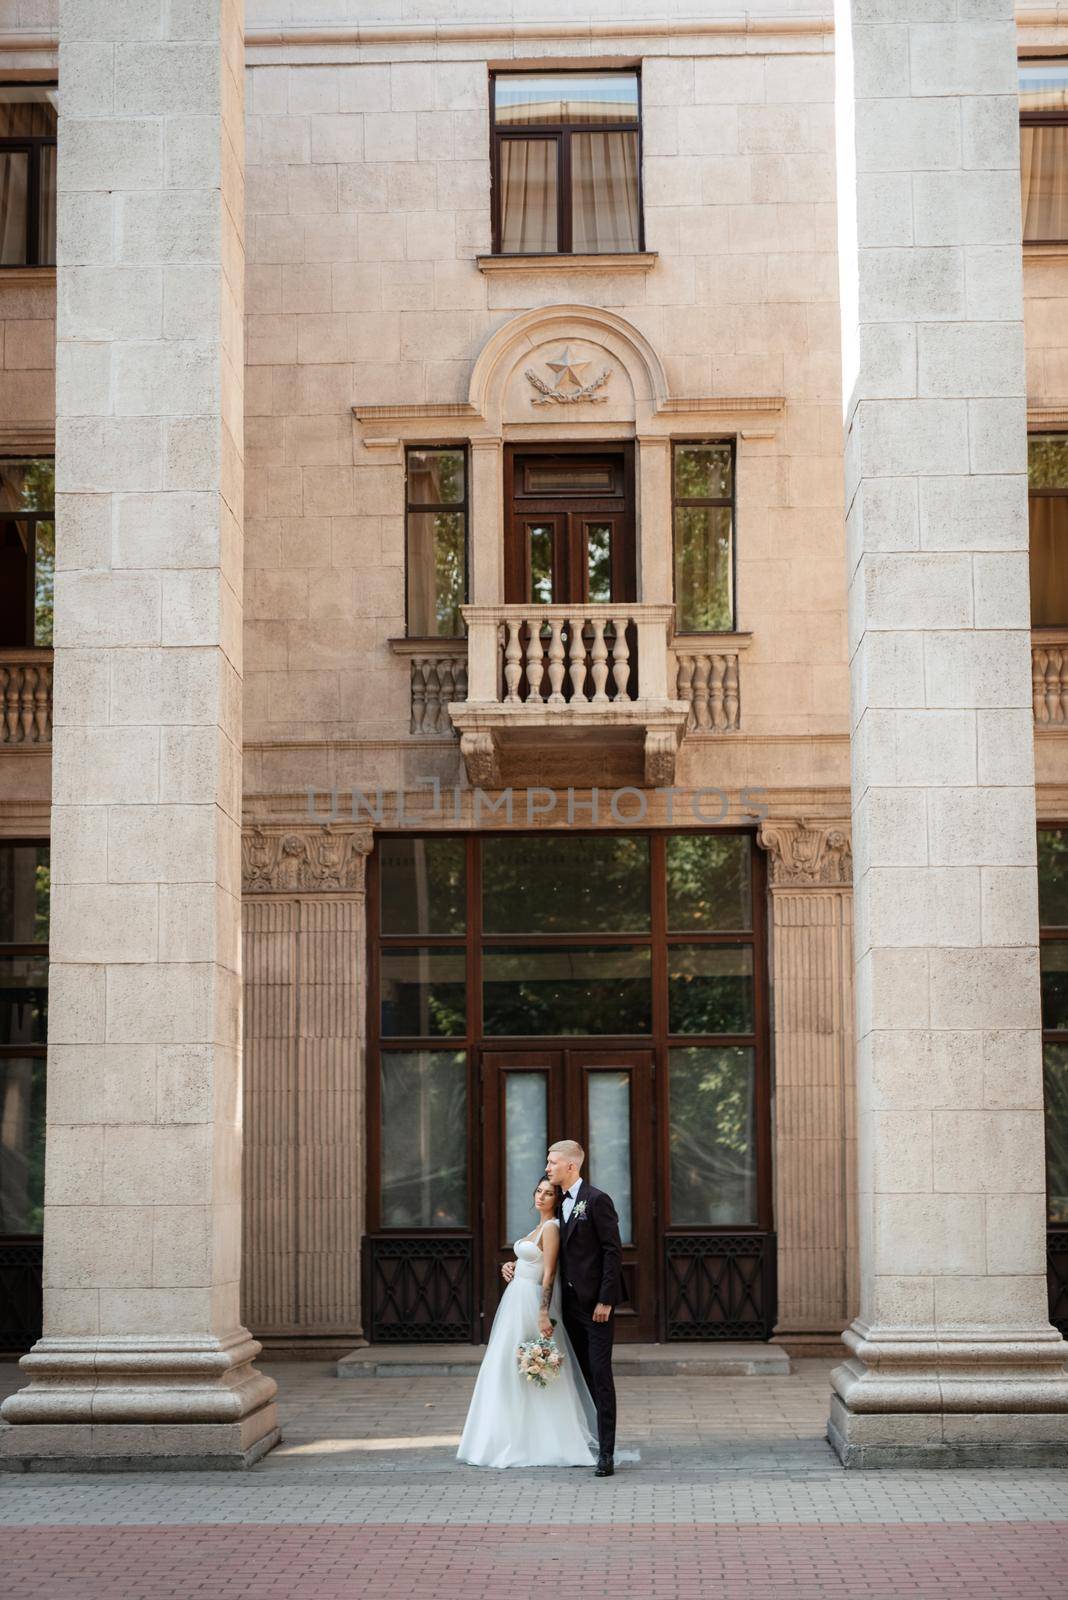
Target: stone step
714,1358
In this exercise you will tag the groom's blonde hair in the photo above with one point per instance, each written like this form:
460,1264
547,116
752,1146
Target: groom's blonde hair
569,1148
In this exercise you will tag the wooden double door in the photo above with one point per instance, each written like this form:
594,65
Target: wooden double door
569,526
604,1099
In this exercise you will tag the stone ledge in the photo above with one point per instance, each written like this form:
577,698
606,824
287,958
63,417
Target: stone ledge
42,276
610,261
704,1359
907,1440
127,1447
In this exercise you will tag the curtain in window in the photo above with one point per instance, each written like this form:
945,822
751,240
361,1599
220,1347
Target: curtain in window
14,178
1049,561
528,196
604,186
1044,181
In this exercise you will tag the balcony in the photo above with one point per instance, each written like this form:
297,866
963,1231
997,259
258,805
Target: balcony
25,697
1049,676
588,687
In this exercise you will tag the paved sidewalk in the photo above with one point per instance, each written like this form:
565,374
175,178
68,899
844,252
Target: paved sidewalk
735,1493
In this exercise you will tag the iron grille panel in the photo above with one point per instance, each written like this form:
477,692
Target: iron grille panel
21,1268
1057,1277
421,1290
720,1285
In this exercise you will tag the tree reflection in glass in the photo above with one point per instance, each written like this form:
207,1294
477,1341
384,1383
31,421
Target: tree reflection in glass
424,1139
711,1136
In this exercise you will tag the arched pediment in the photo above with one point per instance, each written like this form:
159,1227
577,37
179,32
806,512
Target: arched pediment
567,362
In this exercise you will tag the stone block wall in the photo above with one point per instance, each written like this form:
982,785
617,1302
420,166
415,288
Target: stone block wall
368,204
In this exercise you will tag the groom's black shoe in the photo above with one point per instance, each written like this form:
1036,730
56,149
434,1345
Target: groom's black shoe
605,1467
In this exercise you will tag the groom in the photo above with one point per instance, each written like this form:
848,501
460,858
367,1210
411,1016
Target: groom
590,1259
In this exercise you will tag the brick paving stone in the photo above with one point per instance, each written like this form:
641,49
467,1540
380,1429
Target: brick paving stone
741,1561
734,1492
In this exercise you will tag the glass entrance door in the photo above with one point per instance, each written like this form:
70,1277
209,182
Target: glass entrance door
602,1098
523,987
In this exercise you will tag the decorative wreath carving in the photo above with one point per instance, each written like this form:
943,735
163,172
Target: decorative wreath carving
568,397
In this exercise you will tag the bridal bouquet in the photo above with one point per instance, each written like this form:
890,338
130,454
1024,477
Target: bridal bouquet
539,1361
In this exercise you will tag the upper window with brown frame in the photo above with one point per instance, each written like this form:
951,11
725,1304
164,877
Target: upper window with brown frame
1044,150
27,174
1047,498
566,163
436,541
703,497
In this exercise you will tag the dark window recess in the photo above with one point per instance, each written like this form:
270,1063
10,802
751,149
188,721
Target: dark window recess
24,894
566,163
1053,956
27,174
27,552
1047,503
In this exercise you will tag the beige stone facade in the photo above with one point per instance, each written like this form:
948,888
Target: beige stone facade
231,640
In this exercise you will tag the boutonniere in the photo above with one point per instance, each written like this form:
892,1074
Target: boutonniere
580,1209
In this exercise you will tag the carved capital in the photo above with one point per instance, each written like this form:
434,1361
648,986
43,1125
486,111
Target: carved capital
282,859
802,854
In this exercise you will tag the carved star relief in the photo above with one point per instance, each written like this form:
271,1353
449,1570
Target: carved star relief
568,370
569,388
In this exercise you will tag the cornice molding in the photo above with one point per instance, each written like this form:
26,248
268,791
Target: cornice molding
807,854
27,438
712,405
745,25
39,277
1050,23
1039,416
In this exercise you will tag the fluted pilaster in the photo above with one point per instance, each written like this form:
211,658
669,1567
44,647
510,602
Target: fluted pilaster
303,914
815,1135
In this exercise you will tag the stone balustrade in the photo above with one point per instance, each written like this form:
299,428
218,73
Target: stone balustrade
707,681
25,696
437,671
1049,676
436,679
558,655
596,675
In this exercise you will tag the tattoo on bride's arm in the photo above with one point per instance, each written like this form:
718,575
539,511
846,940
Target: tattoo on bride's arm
546,1295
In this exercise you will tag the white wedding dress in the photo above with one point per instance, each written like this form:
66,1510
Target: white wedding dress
513,1423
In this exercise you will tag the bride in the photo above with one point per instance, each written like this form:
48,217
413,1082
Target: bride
511,1422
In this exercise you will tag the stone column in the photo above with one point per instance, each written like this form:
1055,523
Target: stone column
815,1115
656,580
304,1172
144,1359
952,1357
485,495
